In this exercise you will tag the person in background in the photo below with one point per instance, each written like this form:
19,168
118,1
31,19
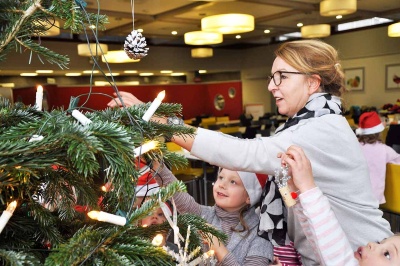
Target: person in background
307,83
235,195
321,226
377,153
145,187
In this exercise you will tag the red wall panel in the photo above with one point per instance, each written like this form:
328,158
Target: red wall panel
196,99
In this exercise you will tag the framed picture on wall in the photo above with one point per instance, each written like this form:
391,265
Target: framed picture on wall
393,77
354,79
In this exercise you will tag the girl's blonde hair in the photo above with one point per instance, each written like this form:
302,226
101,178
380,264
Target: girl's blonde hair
315,57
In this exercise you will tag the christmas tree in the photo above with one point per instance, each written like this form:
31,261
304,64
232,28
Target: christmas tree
52,166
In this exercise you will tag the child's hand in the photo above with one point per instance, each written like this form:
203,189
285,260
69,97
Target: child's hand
300,167
276,262
220,250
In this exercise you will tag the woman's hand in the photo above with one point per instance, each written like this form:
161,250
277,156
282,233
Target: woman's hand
127,98
300,167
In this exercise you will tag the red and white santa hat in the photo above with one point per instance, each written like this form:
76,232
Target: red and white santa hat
254,184
369,123
146,184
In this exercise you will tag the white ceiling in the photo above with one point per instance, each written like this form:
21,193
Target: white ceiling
158,18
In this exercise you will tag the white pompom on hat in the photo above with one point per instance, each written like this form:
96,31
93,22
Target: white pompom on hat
254,184
369,123
146,184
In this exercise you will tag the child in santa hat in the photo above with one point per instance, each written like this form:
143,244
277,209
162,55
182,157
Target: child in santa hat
377,153
235,194
322,229
147,186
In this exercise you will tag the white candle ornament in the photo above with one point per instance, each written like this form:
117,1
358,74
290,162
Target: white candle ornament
81,117
36,138
107,217
39,98
145,148
157,240
7,214
153,107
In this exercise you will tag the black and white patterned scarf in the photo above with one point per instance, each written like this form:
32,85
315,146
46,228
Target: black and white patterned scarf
273,211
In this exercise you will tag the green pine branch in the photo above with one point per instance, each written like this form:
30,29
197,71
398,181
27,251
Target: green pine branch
12,258
24,19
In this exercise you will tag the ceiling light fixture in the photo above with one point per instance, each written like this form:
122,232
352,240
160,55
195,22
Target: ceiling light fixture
329,8
202,52
146,74
177,74
316,31
44,71
394,30
91,72
228,23
94,49
117,56
202,38
53,28
28,74
73,74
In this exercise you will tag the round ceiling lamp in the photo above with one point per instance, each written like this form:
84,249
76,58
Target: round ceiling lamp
228,23
329,8
202,52
92,49
53,28
117,56
394,30
316,31
202,38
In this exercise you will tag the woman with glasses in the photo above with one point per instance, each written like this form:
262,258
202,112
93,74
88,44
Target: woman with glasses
307,83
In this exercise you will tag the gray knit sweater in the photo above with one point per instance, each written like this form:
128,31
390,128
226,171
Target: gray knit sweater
249,250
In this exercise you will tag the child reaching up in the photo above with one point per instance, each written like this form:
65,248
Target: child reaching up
235,194
321,226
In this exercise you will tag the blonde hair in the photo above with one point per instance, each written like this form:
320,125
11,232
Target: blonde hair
315,57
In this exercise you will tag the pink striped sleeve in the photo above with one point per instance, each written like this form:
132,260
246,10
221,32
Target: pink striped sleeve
323,230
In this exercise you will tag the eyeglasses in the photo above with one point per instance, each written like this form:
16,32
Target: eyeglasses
277,76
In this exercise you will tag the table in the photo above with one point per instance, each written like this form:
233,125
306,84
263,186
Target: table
189,156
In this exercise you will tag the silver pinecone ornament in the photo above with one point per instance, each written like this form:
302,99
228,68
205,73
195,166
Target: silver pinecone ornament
135,45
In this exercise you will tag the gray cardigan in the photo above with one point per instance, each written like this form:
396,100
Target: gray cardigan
339,168
240,246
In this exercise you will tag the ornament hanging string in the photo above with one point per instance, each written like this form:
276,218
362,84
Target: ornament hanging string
133,13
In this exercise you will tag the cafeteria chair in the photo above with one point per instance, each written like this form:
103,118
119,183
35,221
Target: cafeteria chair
229,130
206,122
392,195
222,118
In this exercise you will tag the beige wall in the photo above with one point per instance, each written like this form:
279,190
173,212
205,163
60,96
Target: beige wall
371,49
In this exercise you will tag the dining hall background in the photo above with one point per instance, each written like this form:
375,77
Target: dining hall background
370,49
